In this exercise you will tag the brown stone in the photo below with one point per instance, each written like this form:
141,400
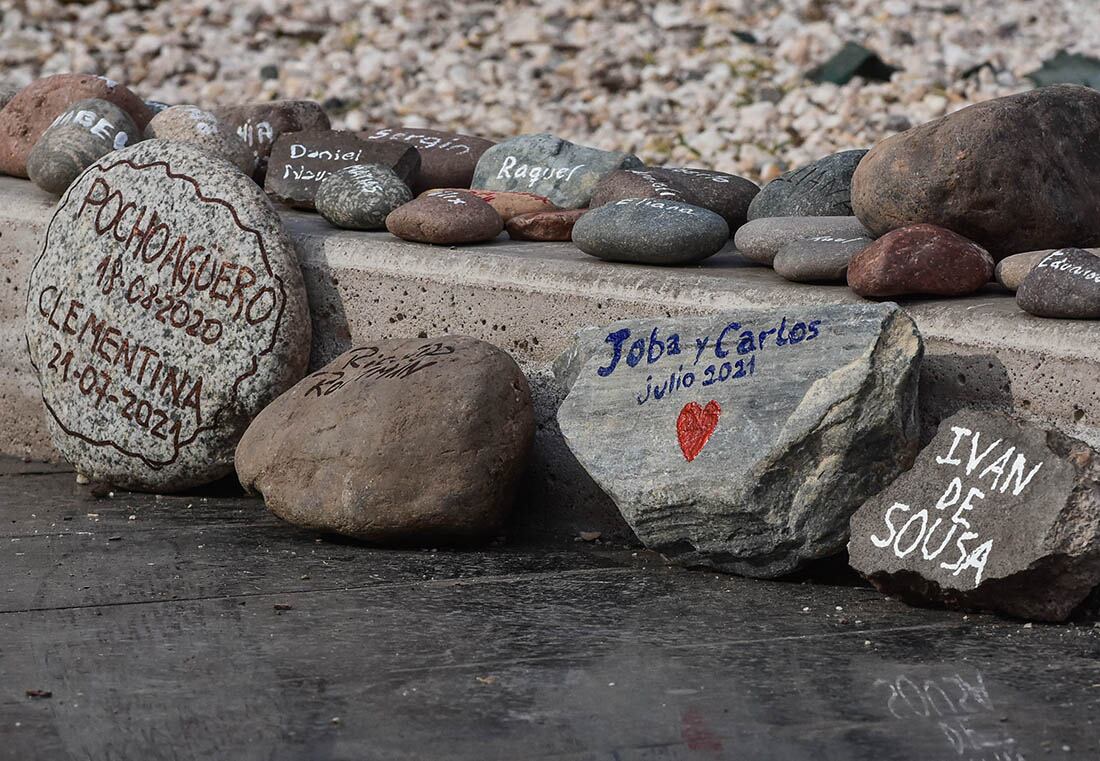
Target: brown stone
445,217
401,441
507,204
33,109
919,259
544,225
447,159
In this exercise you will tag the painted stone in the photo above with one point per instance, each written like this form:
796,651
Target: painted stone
544,225
638,183
447,159
1012,174
165,310
650,231
445,217
821,259
996,514
760,240
33,109
189,124
564,172
299,161
360,197
919,260
744,442
78,137
820,189
258,125
506,204
1065,283
408,441
727,195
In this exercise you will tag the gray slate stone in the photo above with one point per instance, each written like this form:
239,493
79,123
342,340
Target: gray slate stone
801,432
1065,284
202,129
564,172
760,240
820,189
996,514
821,259
165,310
650,231
79,136
360,197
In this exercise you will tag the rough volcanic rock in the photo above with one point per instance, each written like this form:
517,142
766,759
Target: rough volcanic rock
259,125
996,514
83,133
360,197
820,189
1065,283
445,217
1013,174
205,131
418,440
744,442
447,159
760,240
919,259
821,259
544,225
651,231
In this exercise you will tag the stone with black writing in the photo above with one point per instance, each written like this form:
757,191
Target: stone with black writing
820,189
204,130
506,204
546,165
996,514
447,159
165,310
744,442
299,161
258,125
919,260
360,197
402,441
651,231
445,217
821,259
1065,283
33,109
544,225
760,239
78,137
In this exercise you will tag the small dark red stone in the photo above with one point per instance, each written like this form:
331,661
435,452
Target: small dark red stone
919,260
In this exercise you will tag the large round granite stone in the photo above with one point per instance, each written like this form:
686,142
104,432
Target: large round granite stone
165,310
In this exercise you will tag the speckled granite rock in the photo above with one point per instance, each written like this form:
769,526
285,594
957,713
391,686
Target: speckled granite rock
360,197
760,240
259,125
408,441
1065,283
821,259
820,189
544,225
189,124
564,172
650,231
79,136
446,217
447,159
744,442
996,514
159,320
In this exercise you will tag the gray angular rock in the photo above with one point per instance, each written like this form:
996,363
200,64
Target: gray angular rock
414,440
165,310
650,231
190,124
1065,283
744,442
564,172
259,125
78,137
760,240
996,514
820,259
820,189
360,197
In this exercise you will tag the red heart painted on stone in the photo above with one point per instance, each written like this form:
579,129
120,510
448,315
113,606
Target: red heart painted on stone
695,426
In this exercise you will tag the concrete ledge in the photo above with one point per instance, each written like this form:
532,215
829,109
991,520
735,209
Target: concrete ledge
529,298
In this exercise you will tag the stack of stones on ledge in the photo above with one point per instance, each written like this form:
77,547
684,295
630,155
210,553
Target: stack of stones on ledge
996,514
403,441
361,196
446,217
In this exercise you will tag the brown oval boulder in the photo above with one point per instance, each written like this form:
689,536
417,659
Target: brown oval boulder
1019,173
507,204
445,217
919,260
33,109
402,441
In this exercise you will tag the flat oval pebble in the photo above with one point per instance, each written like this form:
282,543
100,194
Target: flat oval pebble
544,225
760,239
507,204
820,189
259,125
651,231
190,124
821,259
1065,283
445,217
83,133
361,197
920,260
166,308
